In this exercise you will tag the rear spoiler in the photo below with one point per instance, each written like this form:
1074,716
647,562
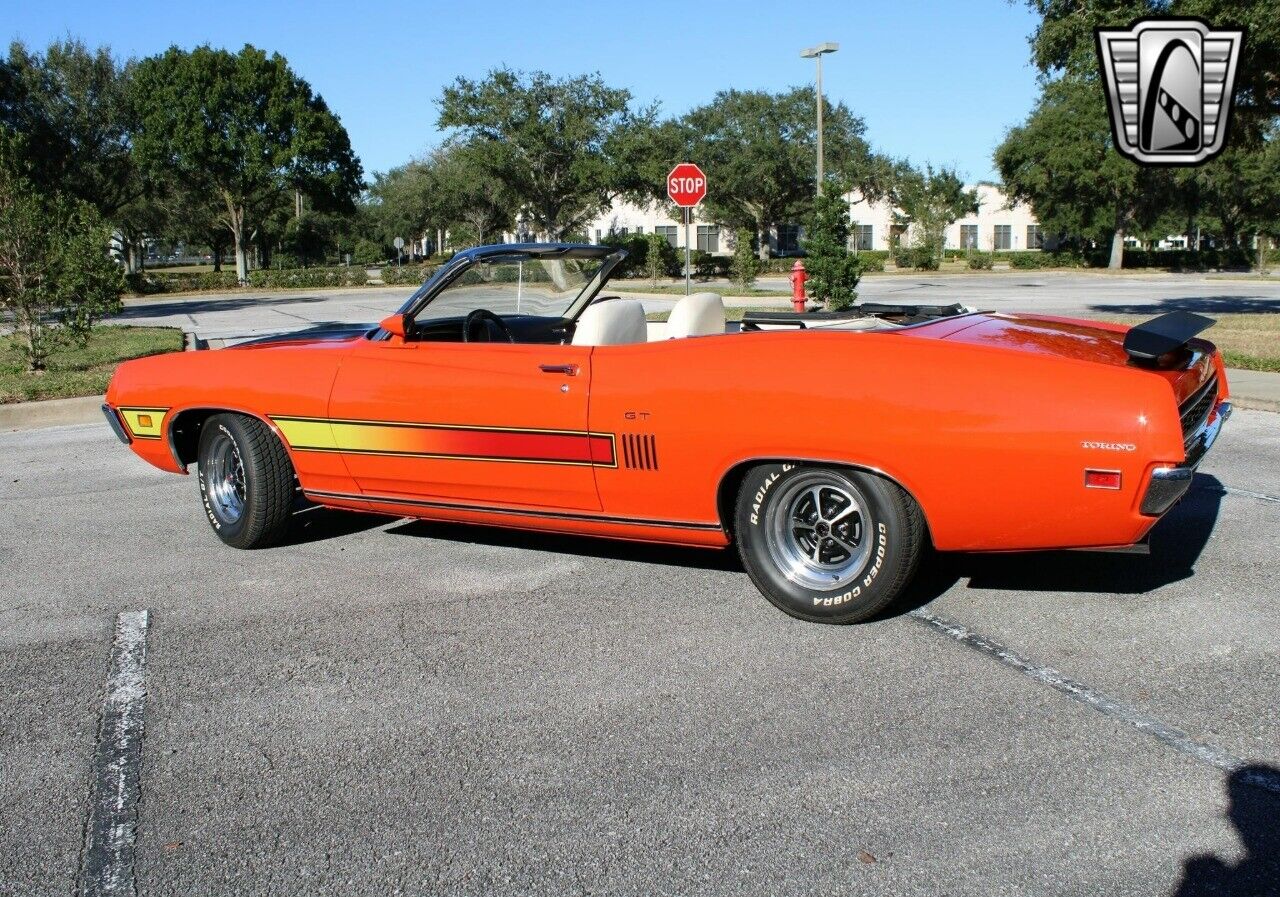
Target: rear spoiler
1146,343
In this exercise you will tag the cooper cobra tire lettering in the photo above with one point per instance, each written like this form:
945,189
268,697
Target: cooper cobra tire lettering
892,523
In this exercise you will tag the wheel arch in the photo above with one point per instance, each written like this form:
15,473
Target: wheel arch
731,482
183,431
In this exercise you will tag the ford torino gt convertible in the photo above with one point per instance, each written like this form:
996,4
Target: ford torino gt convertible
832,448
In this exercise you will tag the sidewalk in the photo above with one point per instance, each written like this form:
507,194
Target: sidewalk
1254,389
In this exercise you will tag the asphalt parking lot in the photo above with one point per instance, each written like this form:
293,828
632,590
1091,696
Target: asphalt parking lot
386,706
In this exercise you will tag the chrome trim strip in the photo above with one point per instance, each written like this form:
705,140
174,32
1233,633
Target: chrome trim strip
1207,435
512,512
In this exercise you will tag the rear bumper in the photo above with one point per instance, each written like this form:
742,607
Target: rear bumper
1169,484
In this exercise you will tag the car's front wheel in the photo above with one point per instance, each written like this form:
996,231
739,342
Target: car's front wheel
246,481
827,544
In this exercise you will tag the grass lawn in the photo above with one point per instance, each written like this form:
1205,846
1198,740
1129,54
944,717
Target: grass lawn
80,370
1249,341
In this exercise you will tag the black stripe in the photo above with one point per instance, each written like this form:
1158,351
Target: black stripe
412,425
517,512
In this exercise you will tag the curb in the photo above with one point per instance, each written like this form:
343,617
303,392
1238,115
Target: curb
50,413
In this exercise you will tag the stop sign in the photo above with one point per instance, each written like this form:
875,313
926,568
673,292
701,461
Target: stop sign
686,185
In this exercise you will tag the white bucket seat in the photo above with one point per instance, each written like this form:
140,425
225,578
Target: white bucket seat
611,323
701,314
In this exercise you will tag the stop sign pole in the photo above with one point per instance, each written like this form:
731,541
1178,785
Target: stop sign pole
686,187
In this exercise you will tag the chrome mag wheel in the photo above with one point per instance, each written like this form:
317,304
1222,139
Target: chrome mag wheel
817,532
224,478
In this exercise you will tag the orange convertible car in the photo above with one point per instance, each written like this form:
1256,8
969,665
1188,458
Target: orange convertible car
832,448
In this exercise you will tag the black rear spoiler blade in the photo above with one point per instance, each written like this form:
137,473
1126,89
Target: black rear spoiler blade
1147,342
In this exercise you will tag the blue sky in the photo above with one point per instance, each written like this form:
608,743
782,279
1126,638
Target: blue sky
937,82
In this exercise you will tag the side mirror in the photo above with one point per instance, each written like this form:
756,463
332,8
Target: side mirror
395,325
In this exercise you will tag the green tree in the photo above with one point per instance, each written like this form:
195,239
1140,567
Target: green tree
555,145
72,108
931,200
833,271
659,257
405,202
1062,162
474,203
1063,43
54,267
746,264
245,128
759,151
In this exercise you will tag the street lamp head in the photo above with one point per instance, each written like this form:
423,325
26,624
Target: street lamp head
813,52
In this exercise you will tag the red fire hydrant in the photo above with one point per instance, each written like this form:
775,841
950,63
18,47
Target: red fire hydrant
798,277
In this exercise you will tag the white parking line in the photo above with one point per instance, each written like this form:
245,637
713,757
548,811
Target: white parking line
1247,493
1148,725
107,866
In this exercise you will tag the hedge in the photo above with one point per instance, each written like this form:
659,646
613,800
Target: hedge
148,283
407,275
309,277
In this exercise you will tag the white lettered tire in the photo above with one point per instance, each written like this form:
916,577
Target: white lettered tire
246,481
827,544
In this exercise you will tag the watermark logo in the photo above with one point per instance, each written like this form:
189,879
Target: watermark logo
1169,87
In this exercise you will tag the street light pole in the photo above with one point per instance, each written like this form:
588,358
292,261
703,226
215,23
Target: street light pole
817,53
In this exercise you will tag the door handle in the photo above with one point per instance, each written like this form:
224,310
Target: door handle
569,370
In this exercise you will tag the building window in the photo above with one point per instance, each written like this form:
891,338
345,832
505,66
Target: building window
708,238
968,236
670,232
640,231
788,238
1003,237
864,236
1035,239
599,235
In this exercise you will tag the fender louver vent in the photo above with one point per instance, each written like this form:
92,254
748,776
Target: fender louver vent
639,451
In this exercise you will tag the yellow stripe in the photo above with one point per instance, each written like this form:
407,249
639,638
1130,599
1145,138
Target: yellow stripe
307,433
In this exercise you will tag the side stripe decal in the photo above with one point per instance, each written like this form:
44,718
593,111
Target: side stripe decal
449,441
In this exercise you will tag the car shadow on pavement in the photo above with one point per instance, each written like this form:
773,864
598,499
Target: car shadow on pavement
1176,543
611,549
316,524
1201,304
1255,813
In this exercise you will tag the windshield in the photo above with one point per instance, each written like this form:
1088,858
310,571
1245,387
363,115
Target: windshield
515,286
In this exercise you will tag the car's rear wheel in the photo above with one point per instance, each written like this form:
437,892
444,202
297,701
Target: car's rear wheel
827,544
246,481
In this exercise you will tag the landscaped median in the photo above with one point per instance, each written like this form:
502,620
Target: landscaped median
152,283
80,370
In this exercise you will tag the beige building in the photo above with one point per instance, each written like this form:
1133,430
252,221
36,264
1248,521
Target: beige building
996,226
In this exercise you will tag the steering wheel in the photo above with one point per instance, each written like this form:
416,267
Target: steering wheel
484,315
